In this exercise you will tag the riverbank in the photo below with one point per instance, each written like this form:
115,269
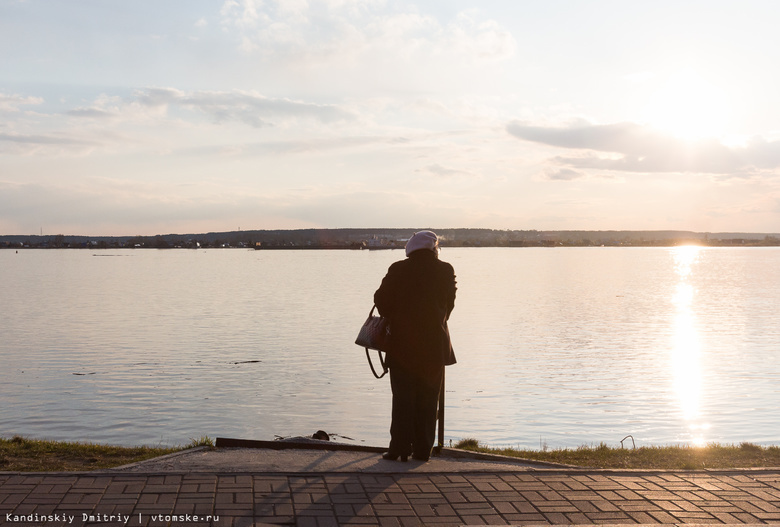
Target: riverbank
20,454
32,455
675,457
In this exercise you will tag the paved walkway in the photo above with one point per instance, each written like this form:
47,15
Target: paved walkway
395,498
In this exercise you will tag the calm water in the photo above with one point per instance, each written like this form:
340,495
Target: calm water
556,347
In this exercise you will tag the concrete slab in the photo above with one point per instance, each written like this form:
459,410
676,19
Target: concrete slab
312,461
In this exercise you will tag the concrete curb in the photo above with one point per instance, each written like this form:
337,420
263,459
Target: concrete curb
316,444
160,458
297,443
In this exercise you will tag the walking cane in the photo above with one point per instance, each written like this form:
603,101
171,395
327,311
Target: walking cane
437,448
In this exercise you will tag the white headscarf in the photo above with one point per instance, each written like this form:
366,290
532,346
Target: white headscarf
422,240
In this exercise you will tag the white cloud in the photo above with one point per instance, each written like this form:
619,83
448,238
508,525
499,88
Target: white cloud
338,30
92,113
29,144
11,103
483,39
443,172
41,139
250,108
564,174
644,149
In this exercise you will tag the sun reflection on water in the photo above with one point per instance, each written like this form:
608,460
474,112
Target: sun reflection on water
686,350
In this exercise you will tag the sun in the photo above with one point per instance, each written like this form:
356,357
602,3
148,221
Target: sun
689,107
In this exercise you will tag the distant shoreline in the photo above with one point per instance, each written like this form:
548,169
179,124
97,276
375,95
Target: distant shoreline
336,248
375,239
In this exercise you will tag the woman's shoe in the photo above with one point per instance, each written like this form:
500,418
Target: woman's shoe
392,456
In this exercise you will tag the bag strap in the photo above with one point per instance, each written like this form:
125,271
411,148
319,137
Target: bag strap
381,361
379,354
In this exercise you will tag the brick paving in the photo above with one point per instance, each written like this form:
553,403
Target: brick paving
532,497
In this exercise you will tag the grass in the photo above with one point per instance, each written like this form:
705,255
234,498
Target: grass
20,454
712,456
33,455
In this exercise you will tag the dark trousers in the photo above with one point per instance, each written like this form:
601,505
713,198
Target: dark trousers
415,408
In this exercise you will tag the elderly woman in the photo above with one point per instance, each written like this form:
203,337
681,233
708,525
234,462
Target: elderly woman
417,296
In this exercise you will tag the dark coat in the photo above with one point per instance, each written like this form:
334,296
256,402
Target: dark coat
417,296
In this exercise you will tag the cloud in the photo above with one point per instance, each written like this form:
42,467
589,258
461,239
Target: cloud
564,174
350,28
28,144
11,103
312,145
41,139
92,113
631,147
167,120
446,173
483,39
248,107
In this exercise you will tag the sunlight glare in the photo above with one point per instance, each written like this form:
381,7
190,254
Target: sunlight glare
686,356
684,258
686,351
689,107
698,441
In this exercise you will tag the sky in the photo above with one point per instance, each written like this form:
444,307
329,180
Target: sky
184,116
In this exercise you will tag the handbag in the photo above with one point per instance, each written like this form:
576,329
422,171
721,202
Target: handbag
375,335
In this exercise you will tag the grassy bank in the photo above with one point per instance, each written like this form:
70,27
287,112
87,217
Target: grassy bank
745,455
33,455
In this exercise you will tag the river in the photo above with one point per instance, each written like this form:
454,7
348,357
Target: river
556,347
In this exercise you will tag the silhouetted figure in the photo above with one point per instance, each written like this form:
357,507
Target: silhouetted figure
417,296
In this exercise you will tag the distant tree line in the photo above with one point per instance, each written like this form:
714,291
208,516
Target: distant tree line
390,238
